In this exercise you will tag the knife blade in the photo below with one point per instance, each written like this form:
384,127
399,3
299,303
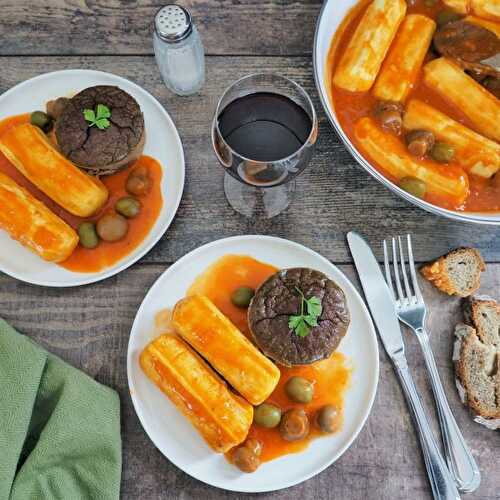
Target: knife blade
377,295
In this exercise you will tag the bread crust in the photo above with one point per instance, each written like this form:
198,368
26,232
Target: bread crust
437,274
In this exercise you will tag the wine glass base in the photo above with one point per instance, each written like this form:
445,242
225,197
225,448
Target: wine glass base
255,202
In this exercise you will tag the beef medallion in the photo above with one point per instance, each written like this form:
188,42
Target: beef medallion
279,298
101,151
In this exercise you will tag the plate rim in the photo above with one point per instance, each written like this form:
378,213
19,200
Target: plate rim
358,298
125,263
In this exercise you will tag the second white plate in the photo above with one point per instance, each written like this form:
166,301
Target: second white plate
162,143
172,433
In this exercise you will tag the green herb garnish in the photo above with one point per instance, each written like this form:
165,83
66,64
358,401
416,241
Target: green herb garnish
99,117
310,311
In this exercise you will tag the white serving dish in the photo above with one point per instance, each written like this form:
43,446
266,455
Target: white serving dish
331,16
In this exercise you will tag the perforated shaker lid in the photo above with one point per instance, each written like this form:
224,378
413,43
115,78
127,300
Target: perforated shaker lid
173,23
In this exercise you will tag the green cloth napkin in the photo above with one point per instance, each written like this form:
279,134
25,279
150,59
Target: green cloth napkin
59,429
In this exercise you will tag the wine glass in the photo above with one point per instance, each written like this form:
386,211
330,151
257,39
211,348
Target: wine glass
263,133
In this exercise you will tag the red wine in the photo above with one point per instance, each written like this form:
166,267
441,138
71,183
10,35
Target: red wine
264,126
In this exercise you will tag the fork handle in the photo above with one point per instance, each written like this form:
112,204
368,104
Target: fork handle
443,486
458,456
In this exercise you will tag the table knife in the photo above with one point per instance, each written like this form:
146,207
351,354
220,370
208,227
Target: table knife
381,306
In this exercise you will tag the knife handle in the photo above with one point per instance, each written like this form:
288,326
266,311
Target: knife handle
460,461
442,483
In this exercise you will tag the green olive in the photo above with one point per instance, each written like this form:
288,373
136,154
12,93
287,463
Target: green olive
328,419
442,152
299,389
414,186
242,296
112,227
128,207
447,16
267,415
88,235
430,3
41,120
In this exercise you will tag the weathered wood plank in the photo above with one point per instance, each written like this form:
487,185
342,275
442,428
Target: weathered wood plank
89,327
333,195
271,27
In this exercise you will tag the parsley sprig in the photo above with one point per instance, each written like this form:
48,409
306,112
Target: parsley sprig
99,117
310,311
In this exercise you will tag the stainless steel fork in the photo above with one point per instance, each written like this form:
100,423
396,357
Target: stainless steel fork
411,310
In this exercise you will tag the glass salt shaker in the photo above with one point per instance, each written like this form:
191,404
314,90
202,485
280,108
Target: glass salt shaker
178,50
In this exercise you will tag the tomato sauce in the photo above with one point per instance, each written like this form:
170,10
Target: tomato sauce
106,253
331,377
349,107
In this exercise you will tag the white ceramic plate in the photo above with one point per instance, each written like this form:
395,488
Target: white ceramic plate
173,434
162,143
332,14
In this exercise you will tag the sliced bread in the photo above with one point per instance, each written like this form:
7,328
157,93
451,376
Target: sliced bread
484,315
456,273
477,369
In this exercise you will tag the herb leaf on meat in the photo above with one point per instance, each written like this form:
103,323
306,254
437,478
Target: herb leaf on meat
99,118
310,311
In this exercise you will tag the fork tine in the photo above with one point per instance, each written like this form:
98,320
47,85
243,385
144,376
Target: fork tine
403,269
396,270
388,277
412,270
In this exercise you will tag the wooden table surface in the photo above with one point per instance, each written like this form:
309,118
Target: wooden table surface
89,326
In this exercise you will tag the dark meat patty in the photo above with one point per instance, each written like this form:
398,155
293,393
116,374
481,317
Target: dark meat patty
463,40
101,151
277,299
468,44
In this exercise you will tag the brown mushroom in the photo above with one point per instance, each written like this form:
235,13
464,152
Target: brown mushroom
254,445
390,116
420,142
245,459
294,425
138,182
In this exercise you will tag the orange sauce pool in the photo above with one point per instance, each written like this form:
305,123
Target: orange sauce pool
349,107
105,254
331,376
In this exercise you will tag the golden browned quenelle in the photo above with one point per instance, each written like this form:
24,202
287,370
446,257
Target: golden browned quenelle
30,222
212,334
29,150
220,416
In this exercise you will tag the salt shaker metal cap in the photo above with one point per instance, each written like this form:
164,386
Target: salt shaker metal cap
173,23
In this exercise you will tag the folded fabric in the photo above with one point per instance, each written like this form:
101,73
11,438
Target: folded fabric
59,429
